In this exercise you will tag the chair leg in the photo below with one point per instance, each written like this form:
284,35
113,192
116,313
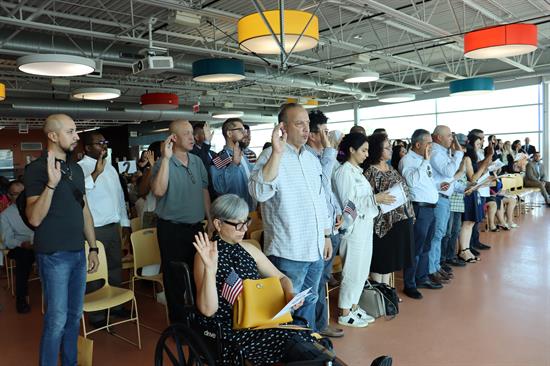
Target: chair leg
328,303
84,325
134,304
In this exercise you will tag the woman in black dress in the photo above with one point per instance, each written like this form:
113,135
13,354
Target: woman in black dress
393,231
214,261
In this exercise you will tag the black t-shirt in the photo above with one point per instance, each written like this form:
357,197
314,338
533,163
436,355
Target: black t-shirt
63,227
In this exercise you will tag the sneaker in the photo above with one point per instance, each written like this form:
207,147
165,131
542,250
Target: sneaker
514,225
362,314
351,320
332,332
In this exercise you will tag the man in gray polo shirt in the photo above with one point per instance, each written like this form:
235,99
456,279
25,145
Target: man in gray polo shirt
180,183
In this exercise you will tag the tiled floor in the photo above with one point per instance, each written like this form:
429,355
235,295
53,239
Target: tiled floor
494,313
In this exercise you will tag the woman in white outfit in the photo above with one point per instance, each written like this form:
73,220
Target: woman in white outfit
350,185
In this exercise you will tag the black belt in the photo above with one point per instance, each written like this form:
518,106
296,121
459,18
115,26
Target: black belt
441,195
424,204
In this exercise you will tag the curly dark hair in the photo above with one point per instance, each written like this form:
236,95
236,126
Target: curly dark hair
396,156
376,148
352,140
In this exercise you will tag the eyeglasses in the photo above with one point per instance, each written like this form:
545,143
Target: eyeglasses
190,174
241,130
101,143
240,225
387,148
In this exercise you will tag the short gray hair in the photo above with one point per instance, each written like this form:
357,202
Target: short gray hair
418,136
229,207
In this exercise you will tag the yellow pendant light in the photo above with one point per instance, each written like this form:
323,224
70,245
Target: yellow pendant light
2,91
254,35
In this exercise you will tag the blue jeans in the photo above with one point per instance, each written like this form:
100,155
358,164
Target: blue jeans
417,271
303,275
441,212
63,276
448,244
321,318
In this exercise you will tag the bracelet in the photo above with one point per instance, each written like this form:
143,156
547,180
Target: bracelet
96,249
327,236
52,188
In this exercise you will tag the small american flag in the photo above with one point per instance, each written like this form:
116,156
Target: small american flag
350,209
232,287
223,159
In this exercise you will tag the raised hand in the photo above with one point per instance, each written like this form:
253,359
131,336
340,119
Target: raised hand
99,165
428,152
278,139
237,154
168,148
490,151
324,138
208,133
208,251
150,157
54,170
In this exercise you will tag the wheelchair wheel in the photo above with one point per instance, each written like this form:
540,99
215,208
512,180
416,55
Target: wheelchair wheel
179,345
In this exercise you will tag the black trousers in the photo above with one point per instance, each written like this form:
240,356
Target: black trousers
176,245
24,258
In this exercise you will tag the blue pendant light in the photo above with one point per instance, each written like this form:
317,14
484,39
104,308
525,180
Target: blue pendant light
218,70
472,86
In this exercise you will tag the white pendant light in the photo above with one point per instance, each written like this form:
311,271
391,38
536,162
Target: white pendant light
362,77
95,93
397,98
227,114
55,65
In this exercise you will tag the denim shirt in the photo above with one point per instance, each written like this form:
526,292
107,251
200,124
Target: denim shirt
233,178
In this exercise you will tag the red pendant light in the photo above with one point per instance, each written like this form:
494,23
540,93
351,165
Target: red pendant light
159,101
501,41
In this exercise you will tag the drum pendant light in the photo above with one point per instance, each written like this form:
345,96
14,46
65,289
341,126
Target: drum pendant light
159,101
2,91
501,41
218,70
55,65
254,35
471,86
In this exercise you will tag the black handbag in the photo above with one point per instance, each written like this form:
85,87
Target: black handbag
391,300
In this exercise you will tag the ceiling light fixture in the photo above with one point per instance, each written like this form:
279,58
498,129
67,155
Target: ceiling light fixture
227,114
95,93
501,41
397,98
55,65
159,101
2,91
218,70
362,77
471,86
301,32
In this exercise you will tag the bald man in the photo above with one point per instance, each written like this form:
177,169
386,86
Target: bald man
180,183
58,210
445,161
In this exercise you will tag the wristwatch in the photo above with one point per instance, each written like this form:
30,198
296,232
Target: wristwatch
327,236
94,250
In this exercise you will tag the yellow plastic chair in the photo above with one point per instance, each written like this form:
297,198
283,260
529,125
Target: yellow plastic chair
135,224
256,235
146,252
108,297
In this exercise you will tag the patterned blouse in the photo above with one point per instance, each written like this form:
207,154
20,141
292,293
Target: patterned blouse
380,182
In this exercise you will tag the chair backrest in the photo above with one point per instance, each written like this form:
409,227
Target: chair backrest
145,247
135,224
508,183
519,181
256,235
102,272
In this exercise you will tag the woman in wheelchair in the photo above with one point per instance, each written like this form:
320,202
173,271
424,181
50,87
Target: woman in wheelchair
214,262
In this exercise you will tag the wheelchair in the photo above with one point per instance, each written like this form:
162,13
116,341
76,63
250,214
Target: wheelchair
190,344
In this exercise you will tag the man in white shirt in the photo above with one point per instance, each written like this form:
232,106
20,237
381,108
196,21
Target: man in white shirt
18,238
445,160
418,173
108,209
288,182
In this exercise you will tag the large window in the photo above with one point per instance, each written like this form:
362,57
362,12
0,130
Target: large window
511,114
